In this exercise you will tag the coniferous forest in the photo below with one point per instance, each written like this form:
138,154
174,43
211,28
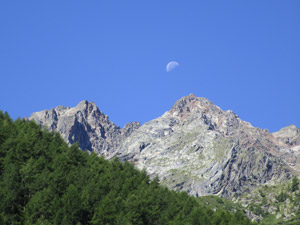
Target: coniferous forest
44,181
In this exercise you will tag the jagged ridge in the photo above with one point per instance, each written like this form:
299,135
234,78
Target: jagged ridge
196,146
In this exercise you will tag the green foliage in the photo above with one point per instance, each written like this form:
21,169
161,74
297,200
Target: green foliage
274,204
295,184
262,194
281,197
217,203
43,181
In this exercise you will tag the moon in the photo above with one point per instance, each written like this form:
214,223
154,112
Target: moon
171,66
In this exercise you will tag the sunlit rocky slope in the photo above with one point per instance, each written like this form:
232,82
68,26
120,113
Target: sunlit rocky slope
195,147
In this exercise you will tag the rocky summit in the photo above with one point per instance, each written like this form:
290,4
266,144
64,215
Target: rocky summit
87,125
196,146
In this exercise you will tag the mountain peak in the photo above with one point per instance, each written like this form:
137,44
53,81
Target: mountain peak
288,135
85,105
84,124
199,148
188,104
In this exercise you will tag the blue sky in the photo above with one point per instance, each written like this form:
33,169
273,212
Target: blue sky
242,55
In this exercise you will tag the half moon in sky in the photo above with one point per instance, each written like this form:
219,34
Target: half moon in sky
171,66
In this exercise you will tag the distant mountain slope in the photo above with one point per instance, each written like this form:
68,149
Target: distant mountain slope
196,146
85,124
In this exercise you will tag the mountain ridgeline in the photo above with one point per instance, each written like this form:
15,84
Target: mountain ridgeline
86,125
45,181
195,147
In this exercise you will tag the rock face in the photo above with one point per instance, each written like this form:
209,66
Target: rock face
87,125
195,147
203,150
